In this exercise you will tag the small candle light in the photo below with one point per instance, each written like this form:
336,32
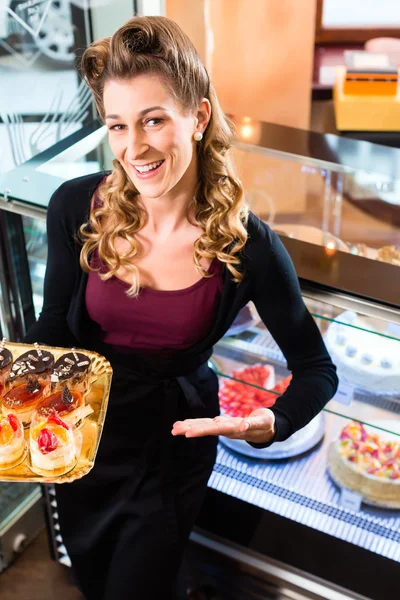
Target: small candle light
330,248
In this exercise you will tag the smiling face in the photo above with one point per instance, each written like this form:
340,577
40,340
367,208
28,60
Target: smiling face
151,135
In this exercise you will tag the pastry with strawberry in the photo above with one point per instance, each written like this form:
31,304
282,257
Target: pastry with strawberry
12,441
53,445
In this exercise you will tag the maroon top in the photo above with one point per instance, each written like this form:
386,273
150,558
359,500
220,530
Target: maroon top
157,320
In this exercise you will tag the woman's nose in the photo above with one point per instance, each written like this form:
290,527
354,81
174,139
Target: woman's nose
136,145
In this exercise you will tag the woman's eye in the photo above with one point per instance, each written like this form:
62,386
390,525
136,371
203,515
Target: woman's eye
117,127
153,122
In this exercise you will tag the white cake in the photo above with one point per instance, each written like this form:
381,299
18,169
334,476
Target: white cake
366,359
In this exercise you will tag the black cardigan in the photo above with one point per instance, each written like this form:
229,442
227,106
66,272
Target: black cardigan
270,282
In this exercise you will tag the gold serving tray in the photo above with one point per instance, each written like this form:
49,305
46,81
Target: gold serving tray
91,430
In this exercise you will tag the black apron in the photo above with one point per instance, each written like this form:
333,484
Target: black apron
126,523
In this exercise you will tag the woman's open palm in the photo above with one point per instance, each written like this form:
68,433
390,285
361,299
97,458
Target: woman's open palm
257,427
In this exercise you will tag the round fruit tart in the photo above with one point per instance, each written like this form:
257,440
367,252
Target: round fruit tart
54,445
367,462
12,442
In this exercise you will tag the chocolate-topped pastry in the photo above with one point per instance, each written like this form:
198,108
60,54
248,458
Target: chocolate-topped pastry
35,362
71,369
6,359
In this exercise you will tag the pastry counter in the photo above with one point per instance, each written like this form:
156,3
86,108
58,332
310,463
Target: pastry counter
323,508
332,491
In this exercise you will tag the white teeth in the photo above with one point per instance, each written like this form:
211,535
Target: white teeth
149,167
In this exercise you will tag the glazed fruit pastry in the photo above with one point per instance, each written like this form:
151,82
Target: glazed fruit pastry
21,400
53,444
29,383
72,370
68,404
239,399
6,359
12,442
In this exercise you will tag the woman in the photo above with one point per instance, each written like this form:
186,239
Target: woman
166,255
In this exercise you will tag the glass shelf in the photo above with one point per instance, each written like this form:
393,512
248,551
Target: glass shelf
359,397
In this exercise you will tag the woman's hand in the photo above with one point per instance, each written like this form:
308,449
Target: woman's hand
257,427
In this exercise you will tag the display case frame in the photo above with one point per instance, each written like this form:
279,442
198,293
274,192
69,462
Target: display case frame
339,279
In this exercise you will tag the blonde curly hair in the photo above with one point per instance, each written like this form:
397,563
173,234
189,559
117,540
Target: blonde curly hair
157,45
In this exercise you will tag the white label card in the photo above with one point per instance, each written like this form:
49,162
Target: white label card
350,500
345,393
394,329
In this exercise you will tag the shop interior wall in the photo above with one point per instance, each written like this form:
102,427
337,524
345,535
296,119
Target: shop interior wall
260,57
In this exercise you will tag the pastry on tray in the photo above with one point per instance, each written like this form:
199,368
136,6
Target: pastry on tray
35,363
72,370
6,359
12,442
68,404
28,384
21,400
367,462
54,445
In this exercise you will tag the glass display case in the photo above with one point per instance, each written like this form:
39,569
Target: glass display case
334,487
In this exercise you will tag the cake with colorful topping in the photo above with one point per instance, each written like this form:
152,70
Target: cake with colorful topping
52,445
12,442
368,462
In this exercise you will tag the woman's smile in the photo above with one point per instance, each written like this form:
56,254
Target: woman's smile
148,170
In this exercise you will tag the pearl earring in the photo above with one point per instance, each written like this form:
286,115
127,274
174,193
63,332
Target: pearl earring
198,136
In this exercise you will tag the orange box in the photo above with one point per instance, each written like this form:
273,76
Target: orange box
374,84
361,112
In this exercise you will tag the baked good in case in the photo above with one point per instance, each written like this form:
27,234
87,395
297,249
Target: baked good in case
12,442
53,445
68,404
367,462
71,369
6,359
239,399
367,360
